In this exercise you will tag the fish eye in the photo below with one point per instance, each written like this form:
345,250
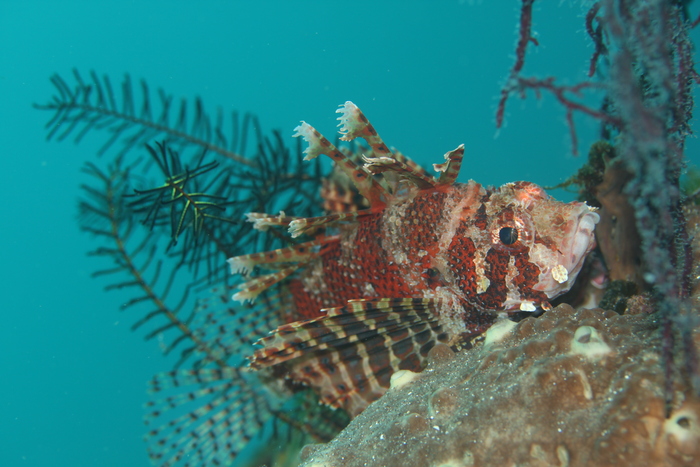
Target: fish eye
508,235
511,232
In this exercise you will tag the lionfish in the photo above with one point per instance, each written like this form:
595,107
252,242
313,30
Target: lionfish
428,260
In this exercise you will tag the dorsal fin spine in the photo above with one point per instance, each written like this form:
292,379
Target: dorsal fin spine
361,178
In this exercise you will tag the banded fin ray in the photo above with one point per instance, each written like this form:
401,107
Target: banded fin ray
361,178
304,225
262,221
301,253
349,354
449,170
413,166
249,290
332,332
378,165
340,195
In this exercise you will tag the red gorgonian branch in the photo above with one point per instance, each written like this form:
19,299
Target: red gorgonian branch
596,35
524,39
562,93
518,84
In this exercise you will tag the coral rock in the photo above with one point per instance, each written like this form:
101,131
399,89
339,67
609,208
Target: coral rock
569,388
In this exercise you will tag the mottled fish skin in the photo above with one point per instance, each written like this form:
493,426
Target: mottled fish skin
447,243
429,261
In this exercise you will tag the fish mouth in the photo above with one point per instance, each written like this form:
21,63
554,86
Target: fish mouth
559,269
582,241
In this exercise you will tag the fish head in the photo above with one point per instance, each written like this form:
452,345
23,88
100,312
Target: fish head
546,242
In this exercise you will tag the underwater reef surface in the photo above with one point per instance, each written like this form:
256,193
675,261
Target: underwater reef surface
587,387
569,388
593,386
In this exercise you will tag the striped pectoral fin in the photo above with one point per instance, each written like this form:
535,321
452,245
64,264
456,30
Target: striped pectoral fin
349,354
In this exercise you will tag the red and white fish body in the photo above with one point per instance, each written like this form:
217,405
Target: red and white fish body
430,261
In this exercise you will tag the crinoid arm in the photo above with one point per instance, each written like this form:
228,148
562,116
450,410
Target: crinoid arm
190,197
156,239
228,415
93,105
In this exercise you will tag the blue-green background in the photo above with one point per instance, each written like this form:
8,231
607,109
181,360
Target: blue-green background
426,73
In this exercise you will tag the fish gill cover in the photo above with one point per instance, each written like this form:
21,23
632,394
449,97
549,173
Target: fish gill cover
170,196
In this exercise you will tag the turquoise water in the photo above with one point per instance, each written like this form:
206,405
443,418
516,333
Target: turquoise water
427,74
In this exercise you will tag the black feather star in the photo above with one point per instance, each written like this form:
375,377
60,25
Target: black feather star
168,208
94,106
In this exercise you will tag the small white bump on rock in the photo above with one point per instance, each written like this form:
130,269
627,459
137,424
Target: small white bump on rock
498,331
589,343
401,378
684,426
